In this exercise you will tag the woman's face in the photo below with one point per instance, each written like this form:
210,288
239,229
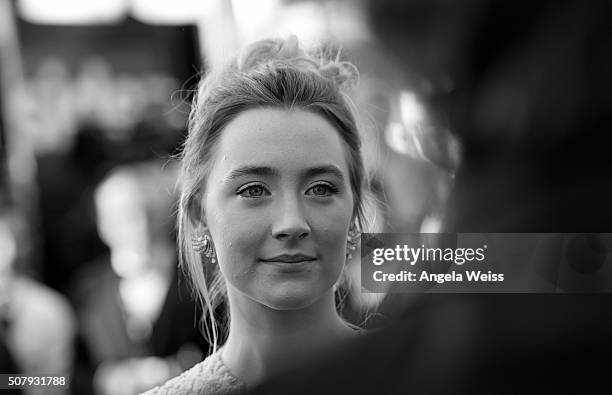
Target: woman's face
278,205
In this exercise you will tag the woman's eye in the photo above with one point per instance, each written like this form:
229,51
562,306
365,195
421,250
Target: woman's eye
322,190
253,191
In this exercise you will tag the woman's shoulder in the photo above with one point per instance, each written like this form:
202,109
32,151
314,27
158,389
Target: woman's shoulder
209,377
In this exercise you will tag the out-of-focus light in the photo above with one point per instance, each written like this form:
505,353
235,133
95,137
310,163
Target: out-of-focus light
8,249
431,224
72,12
417,136
404,137
400,140
306,20
397,139
347,22
172,12
411,110
253,18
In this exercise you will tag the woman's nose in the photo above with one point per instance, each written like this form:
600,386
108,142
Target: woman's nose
290,221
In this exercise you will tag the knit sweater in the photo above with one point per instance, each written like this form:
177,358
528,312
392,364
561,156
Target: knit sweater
209,377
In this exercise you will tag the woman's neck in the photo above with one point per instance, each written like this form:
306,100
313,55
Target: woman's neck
263,341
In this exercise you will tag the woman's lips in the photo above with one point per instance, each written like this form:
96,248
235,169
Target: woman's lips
290,258
290,263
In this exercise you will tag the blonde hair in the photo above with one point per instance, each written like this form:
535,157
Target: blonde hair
273,73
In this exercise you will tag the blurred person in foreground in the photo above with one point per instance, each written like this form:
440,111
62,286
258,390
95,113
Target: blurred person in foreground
526,87
37,324
137,320
272,198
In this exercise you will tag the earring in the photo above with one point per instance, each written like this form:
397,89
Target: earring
202,244
351,242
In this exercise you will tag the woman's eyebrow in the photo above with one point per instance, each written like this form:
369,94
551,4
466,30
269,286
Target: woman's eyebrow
320,170
262,171
265,171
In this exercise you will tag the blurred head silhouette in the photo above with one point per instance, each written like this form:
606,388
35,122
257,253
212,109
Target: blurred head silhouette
134,206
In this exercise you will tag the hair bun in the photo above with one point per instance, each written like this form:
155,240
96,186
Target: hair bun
288,51
343,73
266,50
289,48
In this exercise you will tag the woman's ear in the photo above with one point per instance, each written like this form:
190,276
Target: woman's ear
195,212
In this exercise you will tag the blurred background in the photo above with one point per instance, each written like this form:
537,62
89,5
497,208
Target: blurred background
94,98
